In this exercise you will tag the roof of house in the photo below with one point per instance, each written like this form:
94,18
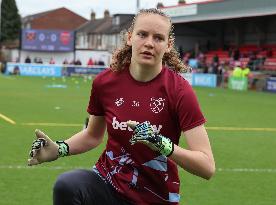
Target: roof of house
96,25
124,23
60,18
106,25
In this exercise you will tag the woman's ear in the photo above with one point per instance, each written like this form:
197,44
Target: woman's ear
129,35
170,45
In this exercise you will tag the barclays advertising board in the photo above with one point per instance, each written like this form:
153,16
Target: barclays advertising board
271,84
34,70
79,71
204,80
188,77
200,79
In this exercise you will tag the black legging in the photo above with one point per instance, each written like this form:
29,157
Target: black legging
84,187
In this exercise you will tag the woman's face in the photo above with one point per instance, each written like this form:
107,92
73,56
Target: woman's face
149,39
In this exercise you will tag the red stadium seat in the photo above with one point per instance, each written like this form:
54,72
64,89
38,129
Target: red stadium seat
269,64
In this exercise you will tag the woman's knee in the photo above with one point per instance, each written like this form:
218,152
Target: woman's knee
65,183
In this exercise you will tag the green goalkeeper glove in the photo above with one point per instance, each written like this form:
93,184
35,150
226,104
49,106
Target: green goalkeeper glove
144,133
45,150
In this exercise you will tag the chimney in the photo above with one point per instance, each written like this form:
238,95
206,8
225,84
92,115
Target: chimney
106,13
92,16
180,2
159,5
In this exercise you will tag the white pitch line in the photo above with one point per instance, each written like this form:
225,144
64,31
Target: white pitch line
39,167
7,119
52,124
246,170
242,129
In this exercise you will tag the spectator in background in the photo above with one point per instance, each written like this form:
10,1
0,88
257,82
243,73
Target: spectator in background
215,64
40,60
96,62
3,66
28,59
216,59
205,68
35,60
252,56
16,70
220,73
236,54
252,60
101,62
230,52
241,70
52,61
245,70
226,73
201,59
78,62
186,57
90,62
65,62
237,72
193,62
221,68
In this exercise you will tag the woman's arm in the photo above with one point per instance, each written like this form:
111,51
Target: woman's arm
198,157
88,138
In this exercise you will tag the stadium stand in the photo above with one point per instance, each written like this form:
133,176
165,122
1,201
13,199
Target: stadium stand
229,29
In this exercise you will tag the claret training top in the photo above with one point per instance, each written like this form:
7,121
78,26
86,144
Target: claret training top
137,173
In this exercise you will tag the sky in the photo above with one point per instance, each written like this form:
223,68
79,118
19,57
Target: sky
84,7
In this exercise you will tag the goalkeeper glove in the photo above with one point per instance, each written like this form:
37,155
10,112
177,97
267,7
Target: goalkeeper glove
144,133
45,150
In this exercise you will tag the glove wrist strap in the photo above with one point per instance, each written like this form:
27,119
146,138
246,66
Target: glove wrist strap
167,146
63,148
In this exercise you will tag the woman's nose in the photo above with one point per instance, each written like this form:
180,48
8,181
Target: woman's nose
149,42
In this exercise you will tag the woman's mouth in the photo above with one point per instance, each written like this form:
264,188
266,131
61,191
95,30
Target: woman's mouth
147,54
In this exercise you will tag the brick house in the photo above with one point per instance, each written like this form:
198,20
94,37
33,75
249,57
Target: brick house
57,19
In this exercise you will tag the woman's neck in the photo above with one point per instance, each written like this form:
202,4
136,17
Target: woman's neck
143,73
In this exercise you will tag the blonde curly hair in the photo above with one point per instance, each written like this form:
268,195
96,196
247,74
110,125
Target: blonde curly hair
122,56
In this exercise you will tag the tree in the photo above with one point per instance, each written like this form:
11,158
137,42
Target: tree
10,21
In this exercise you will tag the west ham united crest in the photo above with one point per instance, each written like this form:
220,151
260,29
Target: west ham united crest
157,104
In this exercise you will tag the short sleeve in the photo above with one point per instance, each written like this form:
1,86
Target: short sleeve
187,107
95,105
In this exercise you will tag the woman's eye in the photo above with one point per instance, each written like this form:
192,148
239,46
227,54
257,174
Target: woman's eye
141,34
158,38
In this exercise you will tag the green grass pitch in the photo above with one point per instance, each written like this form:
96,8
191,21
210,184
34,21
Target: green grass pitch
245,156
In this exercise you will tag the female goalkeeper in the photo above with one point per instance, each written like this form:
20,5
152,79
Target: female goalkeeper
144,104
